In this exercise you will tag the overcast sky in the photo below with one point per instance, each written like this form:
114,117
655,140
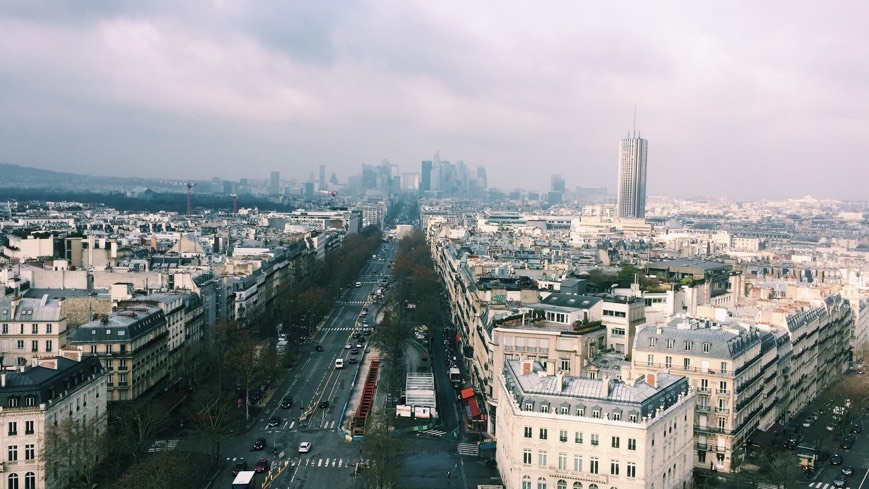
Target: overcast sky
740,99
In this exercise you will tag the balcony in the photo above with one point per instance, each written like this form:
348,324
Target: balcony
722,392
701,446
722,410
704,390
704,409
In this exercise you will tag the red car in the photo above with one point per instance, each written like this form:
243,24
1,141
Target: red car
261,466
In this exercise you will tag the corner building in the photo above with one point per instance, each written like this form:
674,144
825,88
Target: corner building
565,432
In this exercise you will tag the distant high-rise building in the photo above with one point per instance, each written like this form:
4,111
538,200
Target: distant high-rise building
275,183
425,176
557,184
631,197
322,177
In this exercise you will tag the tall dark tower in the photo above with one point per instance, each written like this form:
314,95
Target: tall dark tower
425,176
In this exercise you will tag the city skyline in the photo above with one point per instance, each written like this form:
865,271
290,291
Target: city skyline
212,89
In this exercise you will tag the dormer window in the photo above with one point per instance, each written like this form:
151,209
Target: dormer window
12,401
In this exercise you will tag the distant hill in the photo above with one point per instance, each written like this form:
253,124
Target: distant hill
15,176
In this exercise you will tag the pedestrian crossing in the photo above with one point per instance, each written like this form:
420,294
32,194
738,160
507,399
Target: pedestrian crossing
317,463
352,302
326,425
471,449
822,485
339,328
434,432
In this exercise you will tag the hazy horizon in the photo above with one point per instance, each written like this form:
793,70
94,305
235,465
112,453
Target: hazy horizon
740,100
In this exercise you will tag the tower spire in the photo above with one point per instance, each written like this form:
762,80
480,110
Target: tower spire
635,120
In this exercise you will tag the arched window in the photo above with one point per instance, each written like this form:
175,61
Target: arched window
30,480
577,485
541,483
592,486
526,482
562,484
13,481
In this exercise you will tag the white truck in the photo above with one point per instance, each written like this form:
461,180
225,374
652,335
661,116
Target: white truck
244,480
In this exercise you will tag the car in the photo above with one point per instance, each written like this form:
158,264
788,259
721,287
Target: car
324,404
305,447
855,429
259,444
847,469
348,346
274,421
839,480
358,284
286,402
261,465
835,459
358,344
319,348
808,422
848,442
240,466
351,360
354,351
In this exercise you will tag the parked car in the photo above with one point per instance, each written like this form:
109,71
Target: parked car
261,465
848,442
351,360
240,466
274,421
287,402
259,444
835,459
847,469
839,480
305,447
354,351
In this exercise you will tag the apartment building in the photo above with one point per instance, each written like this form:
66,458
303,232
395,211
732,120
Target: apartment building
34,399
132,345
727,364
566,432
30,327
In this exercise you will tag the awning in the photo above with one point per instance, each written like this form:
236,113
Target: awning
467,393
473,407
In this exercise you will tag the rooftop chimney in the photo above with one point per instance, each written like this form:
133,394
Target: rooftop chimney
605,386
526,366
652,380
3,379
559,381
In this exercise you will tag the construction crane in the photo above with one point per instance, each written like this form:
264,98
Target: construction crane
189,186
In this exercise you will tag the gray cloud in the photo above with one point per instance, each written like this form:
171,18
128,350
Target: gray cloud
736,99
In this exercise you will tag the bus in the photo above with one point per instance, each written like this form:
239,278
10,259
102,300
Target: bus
244,480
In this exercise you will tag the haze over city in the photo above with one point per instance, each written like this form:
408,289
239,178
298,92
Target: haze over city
741,99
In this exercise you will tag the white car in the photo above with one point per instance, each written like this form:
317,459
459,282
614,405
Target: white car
348,346
305,447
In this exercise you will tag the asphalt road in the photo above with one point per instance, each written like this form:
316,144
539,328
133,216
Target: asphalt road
331,460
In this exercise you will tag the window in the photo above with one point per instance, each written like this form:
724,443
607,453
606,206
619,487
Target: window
561,484
632,469
577,485
653,341
650,360
565,364
19,344
123,349
595,413
30,481
12,402
562,461
592,465
93,349
544,433
122,379
617,416
526,482
28,427
614,467
632,443
5,329
701,456
34,345
686,362
721,423
541,458
29,451
562,436
527,432
724,367
704,385
594,439
580,412
688,345
577,463
541,483
616,442
30,401
707,347
526,456
13,481
618,331
722,387
544,408
529,406
48,328
13,428
564,410
48,345
668,361
12,453
670,343
632,418
577,437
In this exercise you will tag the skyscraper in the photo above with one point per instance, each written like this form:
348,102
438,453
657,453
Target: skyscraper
631,188
275,183
425,176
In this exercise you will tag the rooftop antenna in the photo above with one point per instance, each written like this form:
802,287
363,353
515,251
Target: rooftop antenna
635,120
